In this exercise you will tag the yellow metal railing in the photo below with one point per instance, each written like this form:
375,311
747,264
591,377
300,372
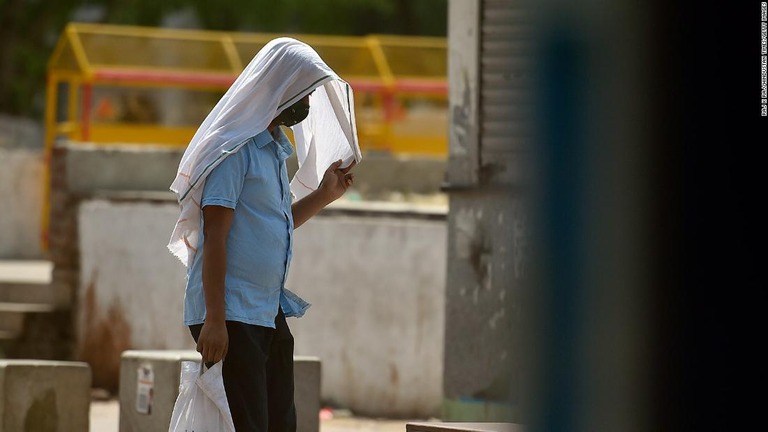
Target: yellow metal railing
125,84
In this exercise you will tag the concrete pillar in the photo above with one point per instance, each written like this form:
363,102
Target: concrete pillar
487,221
158,372
307,384
39,395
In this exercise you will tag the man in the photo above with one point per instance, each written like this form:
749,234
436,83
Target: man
233,174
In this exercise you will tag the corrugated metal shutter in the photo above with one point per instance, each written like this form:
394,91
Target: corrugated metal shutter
504,63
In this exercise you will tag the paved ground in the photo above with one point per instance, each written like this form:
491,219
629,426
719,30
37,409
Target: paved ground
105,418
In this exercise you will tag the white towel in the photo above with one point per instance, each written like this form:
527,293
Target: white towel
282,73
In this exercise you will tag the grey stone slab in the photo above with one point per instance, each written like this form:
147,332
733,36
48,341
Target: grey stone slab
25,271
38,395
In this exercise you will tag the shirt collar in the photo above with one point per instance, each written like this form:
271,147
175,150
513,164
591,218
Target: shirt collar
284,142
263,138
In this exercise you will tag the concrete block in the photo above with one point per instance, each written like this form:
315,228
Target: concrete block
39,395
27,281
161,371
26,271
165,367
306,394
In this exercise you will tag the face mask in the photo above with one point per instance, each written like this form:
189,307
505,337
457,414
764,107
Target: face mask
293,114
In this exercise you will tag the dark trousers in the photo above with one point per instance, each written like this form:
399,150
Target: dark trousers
258,376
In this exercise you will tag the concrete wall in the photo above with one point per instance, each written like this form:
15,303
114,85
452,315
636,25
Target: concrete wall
115,168
377,289
132,289
92,168
375,279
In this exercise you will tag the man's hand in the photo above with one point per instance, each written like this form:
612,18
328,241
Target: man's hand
336,181
213,341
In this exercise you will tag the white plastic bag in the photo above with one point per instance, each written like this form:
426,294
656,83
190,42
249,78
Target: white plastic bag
202,403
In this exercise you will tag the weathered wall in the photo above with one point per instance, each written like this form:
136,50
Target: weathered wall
377,289
487,266
375,279
131,289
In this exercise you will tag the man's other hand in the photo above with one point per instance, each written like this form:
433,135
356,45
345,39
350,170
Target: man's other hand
213,341
337,180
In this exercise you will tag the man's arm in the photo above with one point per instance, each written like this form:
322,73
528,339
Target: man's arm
214,341
335,182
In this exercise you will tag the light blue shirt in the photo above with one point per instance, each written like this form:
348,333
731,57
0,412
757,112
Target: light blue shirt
253,181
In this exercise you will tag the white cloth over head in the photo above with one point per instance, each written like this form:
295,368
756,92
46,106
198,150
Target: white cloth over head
282,73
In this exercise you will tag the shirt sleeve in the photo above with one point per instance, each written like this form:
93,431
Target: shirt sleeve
225,183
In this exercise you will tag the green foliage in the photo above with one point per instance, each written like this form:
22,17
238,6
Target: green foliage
29,29
28,32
